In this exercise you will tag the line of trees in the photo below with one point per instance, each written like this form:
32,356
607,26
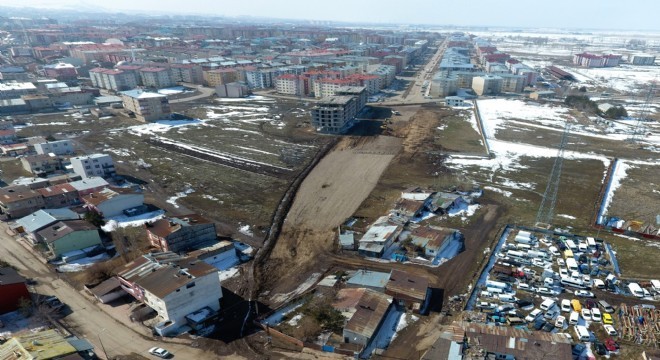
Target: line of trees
583,103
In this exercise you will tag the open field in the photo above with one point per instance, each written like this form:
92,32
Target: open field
639,186
12,169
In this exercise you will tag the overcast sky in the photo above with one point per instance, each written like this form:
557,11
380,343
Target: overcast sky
599,14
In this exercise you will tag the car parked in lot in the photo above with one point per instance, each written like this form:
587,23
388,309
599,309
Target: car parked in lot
559,323
550,314
566,305
600,348
539,324
611,345
160,352
590,304
548,327
610,330
533,315
584,293
586,314
606,306
561,262
607,319
595,315
544,291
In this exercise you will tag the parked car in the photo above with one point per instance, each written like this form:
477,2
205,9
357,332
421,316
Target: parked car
586,314
559,323
590,304
600,348
566,305
574,318
539,324
548,327
53,302
584,293
611,345
526,287
483,305
595,315
160,352
607,319
606,306
550,314
610,330
523,303
561,262
533,315
544,291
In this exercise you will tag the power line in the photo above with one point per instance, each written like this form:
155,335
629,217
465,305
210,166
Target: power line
638,131
547,209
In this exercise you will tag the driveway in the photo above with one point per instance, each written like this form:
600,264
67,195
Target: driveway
86,319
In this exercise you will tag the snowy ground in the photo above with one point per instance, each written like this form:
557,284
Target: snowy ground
131,221
14,322
82,264
173,199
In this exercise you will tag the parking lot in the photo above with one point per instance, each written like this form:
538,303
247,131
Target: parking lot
565,283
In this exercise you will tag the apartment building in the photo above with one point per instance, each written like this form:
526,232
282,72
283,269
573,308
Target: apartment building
147,106
41,164
15,90
359,92
59,147
217,77
442,86
61,71
292,84
232,90
113,79
487,85
186,73
93,165
156,78
639,59
179,233
19,201
334,114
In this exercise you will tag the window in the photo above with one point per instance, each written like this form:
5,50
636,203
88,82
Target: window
88,167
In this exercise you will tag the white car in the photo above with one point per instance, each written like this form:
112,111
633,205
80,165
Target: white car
566,305
609,329
544,291
559,323
526,287
561,262
533,315
595,315
160,352
586,314
563,272
584,293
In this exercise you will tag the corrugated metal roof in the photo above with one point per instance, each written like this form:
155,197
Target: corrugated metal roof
369,279
408,284
369,313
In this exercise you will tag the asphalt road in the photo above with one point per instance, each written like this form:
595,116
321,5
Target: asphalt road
204,93
86,320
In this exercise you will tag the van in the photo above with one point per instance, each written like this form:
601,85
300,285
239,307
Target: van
575,283
571,245
636,290
575,304
574,318
507,298
571,264
548,304
565,305
582,333
582,247
514,320
568,253
591,242
605,306
599,284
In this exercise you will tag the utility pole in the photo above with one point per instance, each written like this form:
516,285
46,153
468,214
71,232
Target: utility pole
547,209
638,130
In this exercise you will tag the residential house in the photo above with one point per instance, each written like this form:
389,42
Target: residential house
377,239
89,185
367,318
59,196
408,208
61,71
232,90
65,236
107,291
40,219
409,290
109,202
369,279
8,136
59,147
220,254
45,344
173,286
179,233
454,101
17,201
93,165
14,149
434,240
13,288
442,202
41,164
472,341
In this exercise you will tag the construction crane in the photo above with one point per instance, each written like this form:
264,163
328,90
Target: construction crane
638,131
547,209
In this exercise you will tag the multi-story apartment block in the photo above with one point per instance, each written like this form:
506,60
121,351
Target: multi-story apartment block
487,85
16,90
359,92
157,78
41,164
61,71
113,79
13,73
635,59
147,106
93,165
386,73
334,114
217,77
186,73
59,147
512,83
292,84
442,86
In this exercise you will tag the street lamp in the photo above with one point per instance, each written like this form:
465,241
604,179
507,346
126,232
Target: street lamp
98,335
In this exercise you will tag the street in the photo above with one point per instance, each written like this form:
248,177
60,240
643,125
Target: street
86,319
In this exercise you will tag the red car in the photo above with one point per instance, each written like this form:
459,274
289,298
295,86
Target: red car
590,304
611,345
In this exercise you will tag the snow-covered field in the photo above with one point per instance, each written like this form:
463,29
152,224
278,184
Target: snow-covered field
624,78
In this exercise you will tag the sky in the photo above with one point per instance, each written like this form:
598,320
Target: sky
565,14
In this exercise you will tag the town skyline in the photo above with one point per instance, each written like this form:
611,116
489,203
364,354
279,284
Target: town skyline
604,15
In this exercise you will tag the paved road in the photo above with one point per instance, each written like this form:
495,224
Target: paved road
86,319
205,92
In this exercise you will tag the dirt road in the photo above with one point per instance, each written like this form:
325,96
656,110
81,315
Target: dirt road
329,195
86,319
